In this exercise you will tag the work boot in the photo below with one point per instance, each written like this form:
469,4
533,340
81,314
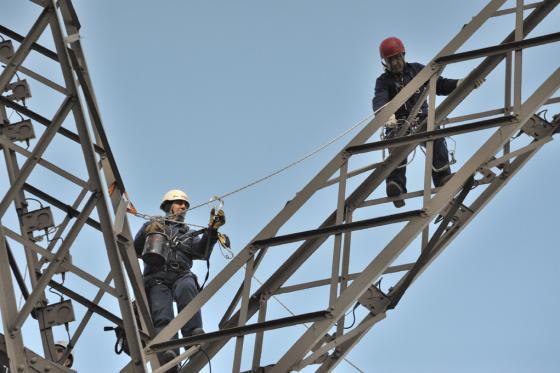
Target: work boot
394,189
444,179
166,357
197,331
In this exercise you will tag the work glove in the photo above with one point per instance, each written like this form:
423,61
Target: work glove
217,219
155,227
392,121
477,82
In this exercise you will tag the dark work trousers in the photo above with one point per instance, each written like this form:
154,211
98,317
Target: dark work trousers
440,160
162,289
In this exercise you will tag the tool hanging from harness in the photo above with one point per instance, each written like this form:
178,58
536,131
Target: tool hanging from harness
156,249
403,127
399,128
121,345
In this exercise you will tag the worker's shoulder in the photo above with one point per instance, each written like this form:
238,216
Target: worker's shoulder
416,66
383,77
144,225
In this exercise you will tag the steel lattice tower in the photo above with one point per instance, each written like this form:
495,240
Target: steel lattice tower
102,204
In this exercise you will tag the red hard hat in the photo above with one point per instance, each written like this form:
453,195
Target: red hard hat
390,47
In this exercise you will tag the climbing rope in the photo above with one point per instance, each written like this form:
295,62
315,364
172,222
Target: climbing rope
312,153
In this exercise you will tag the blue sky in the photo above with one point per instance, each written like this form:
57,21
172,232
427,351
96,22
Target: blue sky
209,96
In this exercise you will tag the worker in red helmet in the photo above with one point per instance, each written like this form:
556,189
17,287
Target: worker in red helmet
398,73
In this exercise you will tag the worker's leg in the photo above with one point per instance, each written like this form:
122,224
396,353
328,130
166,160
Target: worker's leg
396,181
399,175
160,300
161,303
185,289
440,162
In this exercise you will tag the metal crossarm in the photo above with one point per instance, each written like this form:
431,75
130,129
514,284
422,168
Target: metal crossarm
433,135
337,229
241,330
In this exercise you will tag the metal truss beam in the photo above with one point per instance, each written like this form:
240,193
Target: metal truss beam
36,47
25,47
452,231
44,121
433,135
407,234
293,358
37,153
337,229
241,330
103,175
499,49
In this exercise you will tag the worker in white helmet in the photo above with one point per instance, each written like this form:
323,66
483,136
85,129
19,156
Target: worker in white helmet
60,348
168,248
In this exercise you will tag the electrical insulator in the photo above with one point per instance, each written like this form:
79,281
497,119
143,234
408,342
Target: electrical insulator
19,131
6,50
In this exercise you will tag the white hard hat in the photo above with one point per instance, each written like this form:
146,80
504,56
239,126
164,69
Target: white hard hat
64,344
174,195
61,344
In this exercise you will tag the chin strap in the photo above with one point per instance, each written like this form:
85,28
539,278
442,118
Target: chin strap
173,217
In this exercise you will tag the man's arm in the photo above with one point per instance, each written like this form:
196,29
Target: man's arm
445,86
381,97
200,247
140,239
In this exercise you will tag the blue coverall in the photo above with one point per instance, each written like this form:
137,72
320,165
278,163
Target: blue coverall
174,281
387,86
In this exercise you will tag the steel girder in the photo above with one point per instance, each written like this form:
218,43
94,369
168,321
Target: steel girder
100,204
347,289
